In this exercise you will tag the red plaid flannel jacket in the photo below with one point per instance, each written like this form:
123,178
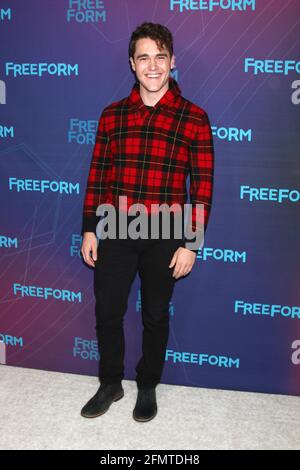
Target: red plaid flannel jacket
146,153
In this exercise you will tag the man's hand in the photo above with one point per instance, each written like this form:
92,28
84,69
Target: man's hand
89,244
183,260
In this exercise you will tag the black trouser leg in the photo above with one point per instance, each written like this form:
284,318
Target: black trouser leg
115,270
157,285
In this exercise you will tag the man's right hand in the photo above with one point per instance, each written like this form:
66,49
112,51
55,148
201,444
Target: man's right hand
89,244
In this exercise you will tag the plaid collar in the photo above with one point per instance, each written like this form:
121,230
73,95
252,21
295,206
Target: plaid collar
168,99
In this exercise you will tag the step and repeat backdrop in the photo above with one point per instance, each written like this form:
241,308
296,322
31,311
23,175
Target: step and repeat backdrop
235,320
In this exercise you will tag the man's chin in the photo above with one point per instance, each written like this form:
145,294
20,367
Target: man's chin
153,87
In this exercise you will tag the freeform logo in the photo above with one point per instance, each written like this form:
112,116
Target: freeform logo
224,255
295,358
40,69
270,310
210,5
86,11
75,245
61,187
193,230
269,194
7,132
46,293
5,14
2,92
201,359
8,242
11,340
270,66
138,304
82,132
8,340
86,349
232,134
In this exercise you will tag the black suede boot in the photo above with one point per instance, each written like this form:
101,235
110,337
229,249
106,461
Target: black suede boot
101,401
146,406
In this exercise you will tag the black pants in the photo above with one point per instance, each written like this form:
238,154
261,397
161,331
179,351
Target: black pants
117,263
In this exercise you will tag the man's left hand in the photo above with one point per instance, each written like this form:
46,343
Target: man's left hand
183,260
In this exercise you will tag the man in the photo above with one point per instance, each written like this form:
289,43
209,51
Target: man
146,145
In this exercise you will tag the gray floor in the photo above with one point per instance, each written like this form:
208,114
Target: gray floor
41,410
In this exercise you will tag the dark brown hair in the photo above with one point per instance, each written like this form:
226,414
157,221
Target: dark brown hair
159,33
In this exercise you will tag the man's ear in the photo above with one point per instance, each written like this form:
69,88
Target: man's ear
132,63
173,61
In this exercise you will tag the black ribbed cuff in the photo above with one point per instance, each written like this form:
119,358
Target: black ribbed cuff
89,224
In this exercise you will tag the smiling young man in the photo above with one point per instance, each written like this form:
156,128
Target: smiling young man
146,145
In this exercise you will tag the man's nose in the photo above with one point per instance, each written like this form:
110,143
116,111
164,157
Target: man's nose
152,64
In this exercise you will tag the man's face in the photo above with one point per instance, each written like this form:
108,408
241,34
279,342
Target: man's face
151,65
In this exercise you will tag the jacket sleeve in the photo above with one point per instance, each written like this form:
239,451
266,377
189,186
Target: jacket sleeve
201,156
98,180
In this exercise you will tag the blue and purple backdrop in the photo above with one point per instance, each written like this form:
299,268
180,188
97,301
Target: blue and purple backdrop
235,320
